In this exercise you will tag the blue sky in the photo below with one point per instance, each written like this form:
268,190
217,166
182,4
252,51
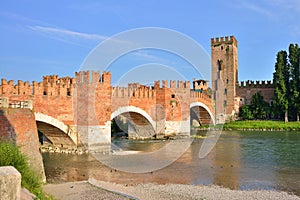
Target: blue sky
54,37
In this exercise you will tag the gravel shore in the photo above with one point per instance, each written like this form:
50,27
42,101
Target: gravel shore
94,189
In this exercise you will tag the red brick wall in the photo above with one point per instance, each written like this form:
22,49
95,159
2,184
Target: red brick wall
19,126
53,96
89,99
248,89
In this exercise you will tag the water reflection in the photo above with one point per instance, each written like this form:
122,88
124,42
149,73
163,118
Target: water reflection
240,160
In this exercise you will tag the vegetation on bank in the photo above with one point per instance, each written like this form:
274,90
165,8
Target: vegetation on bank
10,155
262,125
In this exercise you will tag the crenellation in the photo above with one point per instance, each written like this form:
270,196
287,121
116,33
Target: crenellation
165,83
3,81
106,78
96,76
187,84
172,84
11,83
156,84
256,84
79,77
51,85
180,84
223,40
141,92
86,77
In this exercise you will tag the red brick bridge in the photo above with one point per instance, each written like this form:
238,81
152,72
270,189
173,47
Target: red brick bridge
79,111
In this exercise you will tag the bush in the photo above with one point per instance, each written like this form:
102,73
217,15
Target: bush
10,155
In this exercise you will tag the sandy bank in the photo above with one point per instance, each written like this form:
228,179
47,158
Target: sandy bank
149,191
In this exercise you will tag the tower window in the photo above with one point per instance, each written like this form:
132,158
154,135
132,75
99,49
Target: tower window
220,64
222,47
227,81
172,95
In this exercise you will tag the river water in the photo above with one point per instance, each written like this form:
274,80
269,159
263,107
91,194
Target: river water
240,160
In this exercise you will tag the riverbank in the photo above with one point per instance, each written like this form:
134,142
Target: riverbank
263,125
94,189
254,125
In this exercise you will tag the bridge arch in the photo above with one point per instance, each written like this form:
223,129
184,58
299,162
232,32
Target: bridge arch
205,107
48,125
130,112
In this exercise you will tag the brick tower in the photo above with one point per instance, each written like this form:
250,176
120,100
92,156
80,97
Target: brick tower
224,55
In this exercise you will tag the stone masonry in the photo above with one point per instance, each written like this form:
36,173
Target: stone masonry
10,183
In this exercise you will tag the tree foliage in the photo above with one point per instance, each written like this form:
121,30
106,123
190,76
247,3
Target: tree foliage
281,84
286,79
258,109
294,58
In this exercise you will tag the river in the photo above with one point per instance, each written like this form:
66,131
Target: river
240,160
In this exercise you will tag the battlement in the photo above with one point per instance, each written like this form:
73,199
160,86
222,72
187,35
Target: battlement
172,84
88,77
223,40
51,85
138,92
256,84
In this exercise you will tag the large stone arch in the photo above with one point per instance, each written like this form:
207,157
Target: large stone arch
57,124
200,104
130,110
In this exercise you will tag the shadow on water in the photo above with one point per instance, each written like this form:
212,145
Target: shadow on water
240,160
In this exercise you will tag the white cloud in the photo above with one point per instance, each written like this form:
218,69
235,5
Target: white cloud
65,32
254,7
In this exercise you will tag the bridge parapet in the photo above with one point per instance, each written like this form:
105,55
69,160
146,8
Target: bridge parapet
7,103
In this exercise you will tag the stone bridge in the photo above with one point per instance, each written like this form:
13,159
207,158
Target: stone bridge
79,111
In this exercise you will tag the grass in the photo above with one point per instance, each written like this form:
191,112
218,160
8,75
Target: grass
10,155
262,125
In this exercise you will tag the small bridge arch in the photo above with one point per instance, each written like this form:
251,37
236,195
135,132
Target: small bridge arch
55,130
203,108
137,126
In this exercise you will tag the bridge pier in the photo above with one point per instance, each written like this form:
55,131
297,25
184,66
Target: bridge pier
140,132
95,138
178,128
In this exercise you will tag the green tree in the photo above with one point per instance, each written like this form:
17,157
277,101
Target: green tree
281,79
259,107
246,112
294,60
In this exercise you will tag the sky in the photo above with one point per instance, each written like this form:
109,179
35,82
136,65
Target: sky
41,38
